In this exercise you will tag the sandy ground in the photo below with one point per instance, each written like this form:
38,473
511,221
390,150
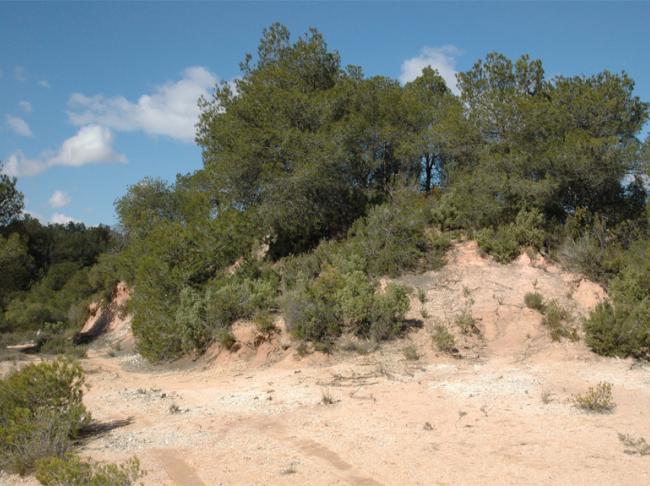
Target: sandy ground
499,413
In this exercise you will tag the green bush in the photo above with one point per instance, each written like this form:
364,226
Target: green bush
501,243
504,243
556,320
534,300
41,413
621,327
321,309
69,470
598,399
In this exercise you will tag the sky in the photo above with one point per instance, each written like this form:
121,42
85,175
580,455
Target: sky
96,96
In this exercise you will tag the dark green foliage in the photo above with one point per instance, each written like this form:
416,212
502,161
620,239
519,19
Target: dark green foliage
505,243
41,413
69,470
622,327
321,309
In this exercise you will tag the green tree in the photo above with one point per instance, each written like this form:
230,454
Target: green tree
11,199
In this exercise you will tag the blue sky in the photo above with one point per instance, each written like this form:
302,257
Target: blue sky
96,96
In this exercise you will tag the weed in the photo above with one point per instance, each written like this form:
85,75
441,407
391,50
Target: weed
410,352
327,398
424,313
422,295
598,399
555,319
546,397
174,409
634,446
466,322
534,300
444,340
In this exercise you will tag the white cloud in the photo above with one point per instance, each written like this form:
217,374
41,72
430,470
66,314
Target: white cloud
441,58
171,109
19,126
59,199
59,218
26,106
43,84
92,144
20,73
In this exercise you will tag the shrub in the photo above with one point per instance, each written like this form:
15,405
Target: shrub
597,399
265,324
534,300
388,312
393,237
505,242
466,322
501,243
634,445
444,340
41,413
410,353
619,330
319,310
555,319
69,470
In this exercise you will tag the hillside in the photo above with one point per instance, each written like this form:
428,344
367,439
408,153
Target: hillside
498,411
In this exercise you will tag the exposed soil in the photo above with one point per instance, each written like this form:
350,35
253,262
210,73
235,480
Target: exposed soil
497,412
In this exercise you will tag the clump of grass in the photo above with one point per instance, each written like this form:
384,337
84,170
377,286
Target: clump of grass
422,295
444,340
410,353
466,323
634,446
556,320
424,313
598,399
534,300
327,398
174,409
546,397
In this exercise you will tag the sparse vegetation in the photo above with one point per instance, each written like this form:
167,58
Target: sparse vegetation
327,398
422,295
466,323
444,340
556,319
69,470
598,399
634,446
535,300
410,353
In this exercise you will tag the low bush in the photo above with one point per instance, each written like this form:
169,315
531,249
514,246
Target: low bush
504,243
597,399
69,470
556,320
444,340
321,309
410,353
466,323
534,300
41,413
621,326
